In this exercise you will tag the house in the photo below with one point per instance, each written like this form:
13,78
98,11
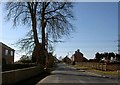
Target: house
7,54
56,60
66,60
78,57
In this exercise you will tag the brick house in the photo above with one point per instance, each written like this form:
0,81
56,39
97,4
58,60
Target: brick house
7,54
66,60
78,57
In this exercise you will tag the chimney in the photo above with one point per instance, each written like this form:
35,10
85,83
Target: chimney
75,52
78,50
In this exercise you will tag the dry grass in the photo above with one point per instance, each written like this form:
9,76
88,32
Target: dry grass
81,67
113,73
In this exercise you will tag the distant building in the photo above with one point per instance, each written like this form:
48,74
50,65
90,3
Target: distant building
56,60
78,57
66,60
7,54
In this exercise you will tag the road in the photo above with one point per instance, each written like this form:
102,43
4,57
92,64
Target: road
67,75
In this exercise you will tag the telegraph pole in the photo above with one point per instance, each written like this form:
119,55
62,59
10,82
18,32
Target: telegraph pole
118,37
119,27
119,46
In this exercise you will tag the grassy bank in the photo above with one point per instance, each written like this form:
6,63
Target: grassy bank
112,73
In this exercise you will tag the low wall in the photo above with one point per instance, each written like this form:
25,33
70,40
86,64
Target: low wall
14,76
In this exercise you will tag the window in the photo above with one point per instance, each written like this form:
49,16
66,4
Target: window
11,53
6,52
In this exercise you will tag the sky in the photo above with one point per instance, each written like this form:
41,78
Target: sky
96,27
95,30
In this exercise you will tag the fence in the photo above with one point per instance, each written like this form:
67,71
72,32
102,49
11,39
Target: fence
14,76
100,66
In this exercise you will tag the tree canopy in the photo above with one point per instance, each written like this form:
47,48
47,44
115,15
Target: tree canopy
52,18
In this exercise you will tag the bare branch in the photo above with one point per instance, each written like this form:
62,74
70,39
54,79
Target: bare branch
58,8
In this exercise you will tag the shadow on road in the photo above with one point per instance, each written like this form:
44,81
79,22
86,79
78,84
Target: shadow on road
33,80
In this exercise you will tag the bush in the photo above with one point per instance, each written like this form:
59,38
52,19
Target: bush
7,67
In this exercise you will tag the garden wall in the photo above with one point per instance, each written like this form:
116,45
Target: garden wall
14,76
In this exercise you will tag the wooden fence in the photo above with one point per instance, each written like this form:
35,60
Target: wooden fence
100,66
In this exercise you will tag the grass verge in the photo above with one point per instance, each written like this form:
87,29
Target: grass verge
112,73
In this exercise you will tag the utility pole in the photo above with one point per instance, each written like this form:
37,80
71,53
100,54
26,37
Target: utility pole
119,46
119,27
118,36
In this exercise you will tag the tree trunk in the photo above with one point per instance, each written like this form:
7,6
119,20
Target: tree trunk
36,41
36,55
43,34
37,49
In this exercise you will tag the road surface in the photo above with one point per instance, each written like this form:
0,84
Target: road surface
67,75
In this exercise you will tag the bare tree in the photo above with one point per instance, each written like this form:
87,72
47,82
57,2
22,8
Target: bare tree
54,19
48,17
25,13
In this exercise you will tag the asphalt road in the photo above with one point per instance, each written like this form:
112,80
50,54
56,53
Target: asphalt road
67,75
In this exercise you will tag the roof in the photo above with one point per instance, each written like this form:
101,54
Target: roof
2,44
66,57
